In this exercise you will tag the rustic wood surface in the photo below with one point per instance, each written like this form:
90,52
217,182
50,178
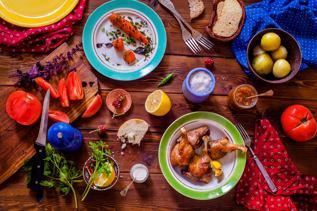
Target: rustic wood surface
156,194
19,139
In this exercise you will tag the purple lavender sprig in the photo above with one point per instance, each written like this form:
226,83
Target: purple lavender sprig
57,65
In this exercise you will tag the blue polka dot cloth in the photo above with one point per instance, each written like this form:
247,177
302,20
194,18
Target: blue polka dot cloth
298,17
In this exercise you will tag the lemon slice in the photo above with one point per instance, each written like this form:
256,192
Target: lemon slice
158,103
216,167
103,180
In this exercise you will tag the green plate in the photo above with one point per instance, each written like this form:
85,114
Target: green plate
99,30
233,163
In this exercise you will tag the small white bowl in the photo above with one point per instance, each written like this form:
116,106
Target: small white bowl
133,176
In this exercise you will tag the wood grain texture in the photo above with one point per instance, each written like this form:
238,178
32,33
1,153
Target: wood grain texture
156,194
228,74
20,139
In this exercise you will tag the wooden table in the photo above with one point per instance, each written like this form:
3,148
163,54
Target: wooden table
157,194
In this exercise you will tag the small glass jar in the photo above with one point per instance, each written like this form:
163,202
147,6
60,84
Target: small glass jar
139,173
238,97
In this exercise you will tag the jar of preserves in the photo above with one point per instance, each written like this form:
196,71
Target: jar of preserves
239,97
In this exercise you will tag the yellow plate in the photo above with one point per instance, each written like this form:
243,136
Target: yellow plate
35,13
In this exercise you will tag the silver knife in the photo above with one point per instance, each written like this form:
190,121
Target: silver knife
37,160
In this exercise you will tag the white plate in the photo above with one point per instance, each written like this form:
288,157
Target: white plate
112,58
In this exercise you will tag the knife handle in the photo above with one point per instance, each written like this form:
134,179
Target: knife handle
37,170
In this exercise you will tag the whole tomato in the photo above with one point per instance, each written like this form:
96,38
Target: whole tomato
23,107
299,123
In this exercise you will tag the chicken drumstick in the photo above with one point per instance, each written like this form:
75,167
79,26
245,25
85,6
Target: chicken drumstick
182,151
199,168
219,148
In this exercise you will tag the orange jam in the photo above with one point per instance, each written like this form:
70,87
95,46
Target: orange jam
238,97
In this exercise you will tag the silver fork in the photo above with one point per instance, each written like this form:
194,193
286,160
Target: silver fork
247,142
205,42
188,39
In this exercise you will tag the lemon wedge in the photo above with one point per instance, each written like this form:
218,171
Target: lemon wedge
216,167
158,103
103,180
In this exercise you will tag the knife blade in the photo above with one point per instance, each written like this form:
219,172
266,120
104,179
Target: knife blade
38,162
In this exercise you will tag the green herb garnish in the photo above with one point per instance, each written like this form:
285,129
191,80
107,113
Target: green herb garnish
99,150
59,172
166,79
106,57
129,40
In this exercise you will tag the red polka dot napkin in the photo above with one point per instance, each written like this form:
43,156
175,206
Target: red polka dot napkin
295,191
40,39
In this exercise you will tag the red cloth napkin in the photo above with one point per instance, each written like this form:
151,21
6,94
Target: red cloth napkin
295,191
40,39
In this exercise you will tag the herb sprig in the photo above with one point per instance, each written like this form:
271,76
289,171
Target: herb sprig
99,150
58,173
57,65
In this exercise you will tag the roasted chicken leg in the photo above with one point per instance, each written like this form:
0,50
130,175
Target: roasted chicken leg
199,168
220,147
182,151
194,136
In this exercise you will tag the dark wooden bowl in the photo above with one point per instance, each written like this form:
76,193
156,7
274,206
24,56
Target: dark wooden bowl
294,56
214,18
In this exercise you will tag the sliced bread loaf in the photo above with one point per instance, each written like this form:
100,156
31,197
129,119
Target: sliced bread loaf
196,8
219,8
133,131
227,24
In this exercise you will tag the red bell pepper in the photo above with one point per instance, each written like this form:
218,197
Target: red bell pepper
45,85
58,116
63,92
75,89
93,107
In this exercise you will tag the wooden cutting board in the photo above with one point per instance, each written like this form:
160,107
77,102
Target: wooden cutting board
17,141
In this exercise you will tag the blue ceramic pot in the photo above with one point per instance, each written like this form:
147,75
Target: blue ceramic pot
194,96
64,137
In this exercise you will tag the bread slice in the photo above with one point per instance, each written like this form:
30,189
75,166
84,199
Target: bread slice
219,8
133,131
196,8
227,24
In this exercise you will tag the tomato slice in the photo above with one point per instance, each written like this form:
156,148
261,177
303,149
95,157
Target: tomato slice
58,116
75,89
63,92
45,85
93,107
23,107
